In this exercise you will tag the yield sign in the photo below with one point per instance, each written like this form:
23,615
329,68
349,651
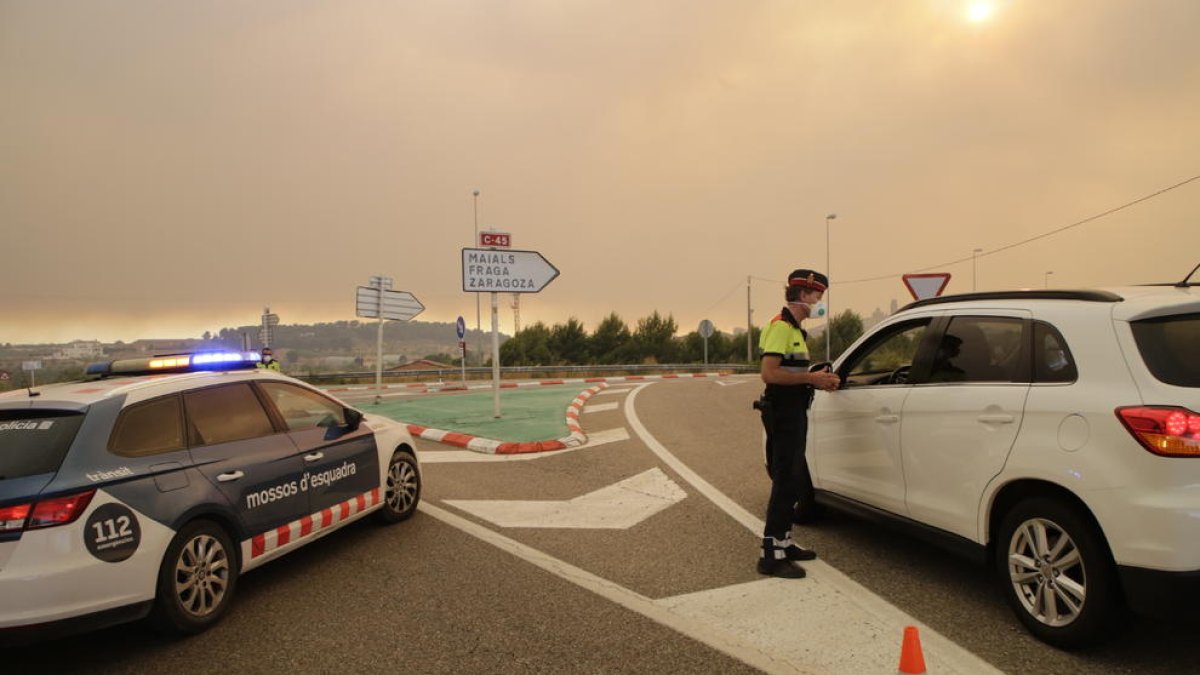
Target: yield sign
491,271
926,285
616,507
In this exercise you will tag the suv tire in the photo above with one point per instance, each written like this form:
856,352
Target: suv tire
1057,574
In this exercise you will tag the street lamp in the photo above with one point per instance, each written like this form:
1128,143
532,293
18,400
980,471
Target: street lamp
478,329
1046,277
828,304
974,269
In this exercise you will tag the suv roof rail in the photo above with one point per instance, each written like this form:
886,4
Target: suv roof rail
1035,294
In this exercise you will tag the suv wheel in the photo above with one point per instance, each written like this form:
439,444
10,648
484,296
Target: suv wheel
196,580
403,489
1057,574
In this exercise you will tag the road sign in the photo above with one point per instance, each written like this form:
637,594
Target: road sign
270,319
490,271
31,365
495,239
396,305
460,327
926,285
706,329
381,282
266,336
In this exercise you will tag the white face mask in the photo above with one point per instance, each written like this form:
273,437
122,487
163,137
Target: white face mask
817,310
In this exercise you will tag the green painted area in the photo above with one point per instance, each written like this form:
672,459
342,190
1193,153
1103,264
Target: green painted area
534,414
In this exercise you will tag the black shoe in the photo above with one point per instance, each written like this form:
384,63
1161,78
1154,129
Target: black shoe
784,569
794,552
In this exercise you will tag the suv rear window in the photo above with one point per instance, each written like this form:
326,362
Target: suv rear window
34,442
1169,348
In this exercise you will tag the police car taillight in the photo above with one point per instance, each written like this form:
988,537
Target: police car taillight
12,518
45,513
59,510
1168,431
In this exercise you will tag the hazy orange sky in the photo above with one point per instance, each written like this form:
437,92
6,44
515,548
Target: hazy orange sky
168,168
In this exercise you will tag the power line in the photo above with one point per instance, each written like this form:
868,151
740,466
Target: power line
1064,228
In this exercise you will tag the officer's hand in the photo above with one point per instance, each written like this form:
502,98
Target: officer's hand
826,381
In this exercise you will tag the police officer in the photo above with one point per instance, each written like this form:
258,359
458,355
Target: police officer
268,360
784,408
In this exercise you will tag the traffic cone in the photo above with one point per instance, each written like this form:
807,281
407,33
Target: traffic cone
912,661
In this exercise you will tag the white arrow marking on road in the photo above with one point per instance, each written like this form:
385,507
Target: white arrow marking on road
600,407
616,507
723,383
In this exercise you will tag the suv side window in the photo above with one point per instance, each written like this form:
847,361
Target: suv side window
226,413
1052,360
148,428
979,349
888,358
1168,346
303,409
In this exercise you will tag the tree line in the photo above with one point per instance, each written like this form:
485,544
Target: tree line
651,340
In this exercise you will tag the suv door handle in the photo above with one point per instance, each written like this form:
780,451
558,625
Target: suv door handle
887,419
314,456
996,419
229,476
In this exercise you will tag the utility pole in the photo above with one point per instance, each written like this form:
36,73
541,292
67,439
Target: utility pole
749,325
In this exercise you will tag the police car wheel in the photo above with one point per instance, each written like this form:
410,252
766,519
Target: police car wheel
402,492
196,580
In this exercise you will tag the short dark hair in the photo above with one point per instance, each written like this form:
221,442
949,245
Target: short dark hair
792,293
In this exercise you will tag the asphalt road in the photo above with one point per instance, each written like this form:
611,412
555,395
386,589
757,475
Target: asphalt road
450,591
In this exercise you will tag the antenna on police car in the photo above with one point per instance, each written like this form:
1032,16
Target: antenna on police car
1185,283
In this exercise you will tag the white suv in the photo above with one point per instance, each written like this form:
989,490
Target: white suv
1053,433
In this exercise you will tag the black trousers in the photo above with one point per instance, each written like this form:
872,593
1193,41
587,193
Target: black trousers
786,424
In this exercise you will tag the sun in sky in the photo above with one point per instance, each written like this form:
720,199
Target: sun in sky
979,11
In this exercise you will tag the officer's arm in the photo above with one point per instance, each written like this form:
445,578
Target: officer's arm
772,372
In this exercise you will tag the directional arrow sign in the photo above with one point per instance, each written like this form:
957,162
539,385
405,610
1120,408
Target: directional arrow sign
616,507
488,271
396,305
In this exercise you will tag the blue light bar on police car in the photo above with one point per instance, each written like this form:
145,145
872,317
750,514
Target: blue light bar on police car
176,363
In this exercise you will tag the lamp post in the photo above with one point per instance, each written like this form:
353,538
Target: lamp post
828,304
974,268
475,242
1046,277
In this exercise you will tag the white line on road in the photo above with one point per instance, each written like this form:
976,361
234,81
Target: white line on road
715,638
850,641
600,407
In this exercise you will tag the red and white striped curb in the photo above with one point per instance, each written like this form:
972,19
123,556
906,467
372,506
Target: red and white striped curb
493,447
448,386
308,526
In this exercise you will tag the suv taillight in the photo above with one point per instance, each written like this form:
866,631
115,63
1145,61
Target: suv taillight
46,513
1164,430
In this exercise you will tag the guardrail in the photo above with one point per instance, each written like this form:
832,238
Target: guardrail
510,372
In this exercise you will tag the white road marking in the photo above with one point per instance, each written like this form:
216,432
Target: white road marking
616,507
600,407
718,639
868,629
727,383
468,456
615,390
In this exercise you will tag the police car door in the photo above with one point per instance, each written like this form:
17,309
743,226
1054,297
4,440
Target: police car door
340,463
959,425
235,445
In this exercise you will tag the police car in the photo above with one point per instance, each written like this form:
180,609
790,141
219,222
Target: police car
151,488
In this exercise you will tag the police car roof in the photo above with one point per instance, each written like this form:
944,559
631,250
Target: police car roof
84,393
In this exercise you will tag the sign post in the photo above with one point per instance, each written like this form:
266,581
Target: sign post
378,301
706,331
923,286
495,271
31,367
460,329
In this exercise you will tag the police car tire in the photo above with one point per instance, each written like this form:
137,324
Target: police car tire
402,491
170,616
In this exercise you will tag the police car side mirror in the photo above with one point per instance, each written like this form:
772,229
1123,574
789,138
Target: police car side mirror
818,367
353,419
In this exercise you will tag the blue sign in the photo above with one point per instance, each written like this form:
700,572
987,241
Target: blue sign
461,328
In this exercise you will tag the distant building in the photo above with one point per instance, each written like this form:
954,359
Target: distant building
80,350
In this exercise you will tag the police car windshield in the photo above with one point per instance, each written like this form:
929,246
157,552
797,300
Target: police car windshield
34,442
